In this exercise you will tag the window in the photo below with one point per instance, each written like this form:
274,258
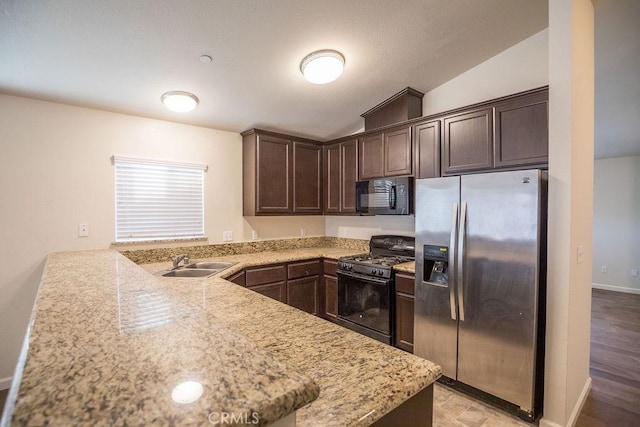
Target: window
158,200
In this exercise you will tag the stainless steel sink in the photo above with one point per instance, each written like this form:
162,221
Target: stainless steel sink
183,272
197,269
216,265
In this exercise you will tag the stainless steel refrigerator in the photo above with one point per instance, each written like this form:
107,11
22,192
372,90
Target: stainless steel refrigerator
480,283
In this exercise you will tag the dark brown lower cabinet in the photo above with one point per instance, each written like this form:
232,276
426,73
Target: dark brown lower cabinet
296,284
238,278
271,290
269,281
330,297
329,290
405,299
301,293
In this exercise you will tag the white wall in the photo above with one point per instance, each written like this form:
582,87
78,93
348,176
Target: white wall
56,172
616,223
521,67
571,124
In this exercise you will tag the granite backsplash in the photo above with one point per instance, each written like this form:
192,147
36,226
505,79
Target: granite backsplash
146,256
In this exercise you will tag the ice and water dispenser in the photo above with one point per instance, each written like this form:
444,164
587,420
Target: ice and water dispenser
436,265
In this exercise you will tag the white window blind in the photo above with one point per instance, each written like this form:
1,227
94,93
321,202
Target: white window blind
158,200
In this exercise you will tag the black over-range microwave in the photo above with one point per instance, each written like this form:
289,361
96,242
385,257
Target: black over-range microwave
384,196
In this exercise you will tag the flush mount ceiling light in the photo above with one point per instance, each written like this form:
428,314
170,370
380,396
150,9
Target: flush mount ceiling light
180,102
322,66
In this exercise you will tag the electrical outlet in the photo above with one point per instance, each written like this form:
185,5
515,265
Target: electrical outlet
254,234
634,272
83,230
227,236
303,232
603,269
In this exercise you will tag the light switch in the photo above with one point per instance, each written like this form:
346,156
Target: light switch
634,272
580,254
254,234
603,269
83,230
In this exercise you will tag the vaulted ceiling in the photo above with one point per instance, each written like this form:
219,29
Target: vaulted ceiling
122,55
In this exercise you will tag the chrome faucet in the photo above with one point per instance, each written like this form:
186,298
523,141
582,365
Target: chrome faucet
176,260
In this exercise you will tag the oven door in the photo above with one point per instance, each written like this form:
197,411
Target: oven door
364,305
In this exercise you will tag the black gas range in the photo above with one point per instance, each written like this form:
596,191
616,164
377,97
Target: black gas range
366,286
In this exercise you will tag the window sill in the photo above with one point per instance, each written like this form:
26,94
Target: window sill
157,242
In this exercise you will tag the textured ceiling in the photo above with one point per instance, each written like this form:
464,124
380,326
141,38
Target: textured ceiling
122,55
617,78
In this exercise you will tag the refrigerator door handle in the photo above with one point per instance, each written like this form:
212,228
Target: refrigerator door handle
460,279
452,260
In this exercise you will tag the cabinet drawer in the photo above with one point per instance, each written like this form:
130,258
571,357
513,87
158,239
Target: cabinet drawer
303,269
405,283
262,275
330,267
237,278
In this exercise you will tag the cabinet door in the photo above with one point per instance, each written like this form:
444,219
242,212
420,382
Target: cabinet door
271,290
404,321
522,131
468,142
307,178
301,294
427,149
273,176
332,178
371,154
331,297
349,175
397,152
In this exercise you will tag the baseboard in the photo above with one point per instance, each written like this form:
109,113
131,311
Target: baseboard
547,423
580,403
616,288
576,409
5,383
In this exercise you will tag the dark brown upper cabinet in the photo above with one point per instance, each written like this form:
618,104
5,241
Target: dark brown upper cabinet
426,137
371,156
340,176
349,175
307,178
280,177
397,152
386,153
332,178
468,142
522,131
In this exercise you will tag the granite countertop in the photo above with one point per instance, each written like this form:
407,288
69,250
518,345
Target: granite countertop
108,343
406,267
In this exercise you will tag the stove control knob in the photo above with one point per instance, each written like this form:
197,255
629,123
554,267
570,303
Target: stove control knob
380,273
374,271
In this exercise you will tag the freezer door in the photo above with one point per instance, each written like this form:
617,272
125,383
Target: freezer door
499,283
435,315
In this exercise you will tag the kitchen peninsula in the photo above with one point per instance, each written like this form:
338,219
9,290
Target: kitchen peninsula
109,342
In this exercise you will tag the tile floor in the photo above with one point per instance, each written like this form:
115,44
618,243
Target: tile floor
453,409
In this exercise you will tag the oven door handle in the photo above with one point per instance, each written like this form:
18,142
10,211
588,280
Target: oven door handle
377,280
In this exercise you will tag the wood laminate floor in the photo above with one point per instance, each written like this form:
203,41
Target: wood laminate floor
614,399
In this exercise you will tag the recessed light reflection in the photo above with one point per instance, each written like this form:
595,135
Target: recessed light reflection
187,392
